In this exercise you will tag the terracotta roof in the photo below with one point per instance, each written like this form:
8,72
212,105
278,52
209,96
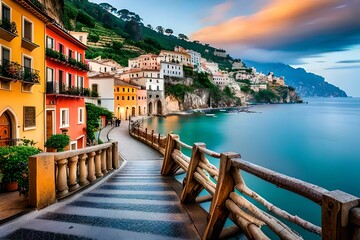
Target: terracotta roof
119,82
103,75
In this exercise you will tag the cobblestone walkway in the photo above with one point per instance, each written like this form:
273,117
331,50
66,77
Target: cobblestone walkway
135,203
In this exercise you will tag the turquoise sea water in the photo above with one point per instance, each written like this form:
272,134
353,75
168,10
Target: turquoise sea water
318,142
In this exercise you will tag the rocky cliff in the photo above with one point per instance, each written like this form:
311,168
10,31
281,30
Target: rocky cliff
198,99
54,8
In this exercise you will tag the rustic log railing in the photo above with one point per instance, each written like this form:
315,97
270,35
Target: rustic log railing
56,175
227,191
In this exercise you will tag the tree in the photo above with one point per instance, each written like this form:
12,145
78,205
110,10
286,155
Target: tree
160,29
149,26
106,6
169,31
182,36
133,28
124,14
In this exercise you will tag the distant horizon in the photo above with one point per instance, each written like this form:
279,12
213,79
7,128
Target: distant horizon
320,36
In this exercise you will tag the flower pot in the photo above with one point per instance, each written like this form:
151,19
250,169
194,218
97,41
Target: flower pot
10,187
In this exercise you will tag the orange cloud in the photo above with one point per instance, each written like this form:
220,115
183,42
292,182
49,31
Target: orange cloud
218,12
280,19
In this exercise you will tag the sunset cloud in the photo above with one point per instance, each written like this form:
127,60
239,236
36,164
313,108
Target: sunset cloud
218,12
305,26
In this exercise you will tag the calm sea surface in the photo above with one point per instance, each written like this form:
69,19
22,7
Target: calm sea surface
318,142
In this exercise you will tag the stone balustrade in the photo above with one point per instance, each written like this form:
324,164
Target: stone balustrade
57,175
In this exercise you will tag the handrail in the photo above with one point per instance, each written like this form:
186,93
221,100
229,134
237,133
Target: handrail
310,191
226,189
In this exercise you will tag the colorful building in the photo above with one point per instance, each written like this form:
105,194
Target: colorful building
22,76
125,99
67,85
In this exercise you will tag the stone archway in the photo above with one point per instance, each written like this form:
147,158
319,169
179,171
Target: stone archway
150,109
159,110
139,111
7,129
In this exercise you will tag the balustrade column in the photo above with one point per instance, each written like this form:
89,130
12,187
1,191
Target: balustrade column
83,170
115,155
109,158
103,161
73,173
61,180
91,167
98,172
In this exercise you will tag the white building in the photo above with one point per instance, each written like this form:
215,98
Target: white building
257,87
80,36
175,57
195,58
103,84
210,67
221,79
171,69
98,65
147,61
220,53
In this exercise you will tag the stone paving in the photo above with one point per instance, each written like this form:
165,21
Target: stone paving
135,203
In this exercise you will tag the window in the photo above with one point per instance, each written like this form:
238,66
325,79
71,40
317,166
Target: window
81,115
49,74
64,117
29,117
132,90
5,56
28,30
49,42
133,98
5,85
128,89
122,98
123,89
117,89
80,82
128,97
117,97
61,48
70,53
68,79
94,88
5,13
79,57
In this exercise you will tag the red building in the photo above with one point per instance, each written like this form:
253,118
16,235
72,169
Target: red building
66,86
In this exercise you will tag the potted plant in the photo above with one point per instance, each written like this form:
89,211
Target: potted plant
14,166
57,142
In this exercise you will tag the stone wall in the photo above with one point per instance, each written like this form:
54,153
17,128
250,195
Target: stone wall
54,8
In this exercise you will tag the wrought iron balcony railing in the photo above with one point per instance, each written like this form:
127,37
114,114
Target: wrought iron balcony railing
14,71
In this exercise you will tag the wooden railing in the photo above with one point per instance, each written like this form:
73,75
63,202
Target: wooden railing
228,193
56,175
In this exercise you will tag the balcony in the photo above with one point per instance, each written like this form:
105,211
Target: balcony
13,71
8,30
59,57
28,44
58,88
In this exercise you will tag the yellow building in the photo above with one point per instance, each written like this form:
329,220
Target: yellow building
125,99
22,72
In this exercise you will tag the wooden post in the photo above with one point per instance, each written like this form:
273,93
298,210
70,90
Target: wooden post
225,185
169,166
192,187
152,137
336,206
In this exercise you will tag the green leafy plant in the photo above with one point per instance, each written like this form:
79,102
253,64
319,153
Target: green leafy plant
14,165
58,141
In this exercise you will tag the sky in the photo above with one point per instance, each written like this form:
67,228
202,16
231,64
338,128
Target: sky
321,36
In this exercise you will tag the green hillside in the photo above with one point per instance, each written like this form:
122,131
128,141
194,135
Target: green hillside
110,37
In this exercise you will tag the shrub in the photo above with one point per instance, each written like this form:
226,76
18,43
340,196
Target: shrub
14,165
58,141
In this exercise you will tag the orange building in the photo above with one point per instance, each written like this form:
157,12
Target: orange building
22,78
66,86
125,99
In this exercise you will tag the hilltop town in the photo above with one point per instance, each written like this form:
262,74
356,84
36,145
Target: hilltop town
50,82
